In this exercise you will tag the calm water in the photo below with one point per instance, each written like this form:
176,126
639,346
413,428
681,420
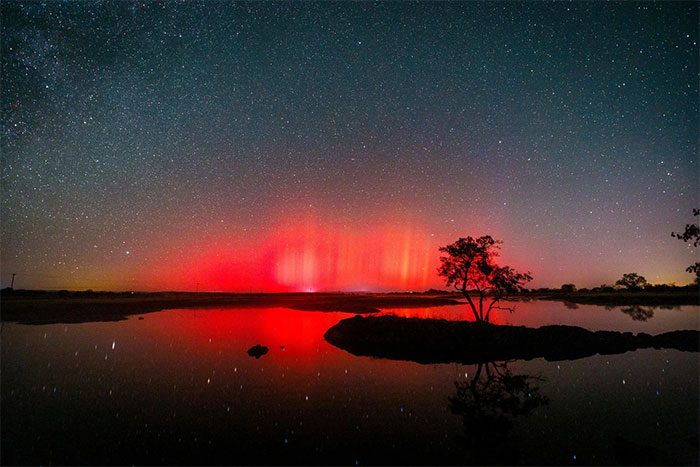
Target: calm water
178,387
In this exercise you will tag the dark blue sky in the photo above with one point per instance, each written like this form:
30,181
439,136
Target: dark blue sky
135,136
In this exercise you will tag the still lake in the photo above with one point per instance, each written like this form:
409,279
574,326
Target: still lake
178,387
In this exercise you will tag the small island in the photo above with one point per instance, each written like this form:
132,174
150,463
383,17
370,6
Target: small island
441,341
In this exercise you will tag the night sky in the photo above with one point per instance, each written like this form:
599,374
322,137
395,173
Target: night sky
336,146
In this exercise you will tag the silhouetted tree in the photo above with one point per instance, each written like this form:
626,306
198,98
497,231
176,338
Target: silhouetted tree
568,288
691,234
469,265
488,403
632,281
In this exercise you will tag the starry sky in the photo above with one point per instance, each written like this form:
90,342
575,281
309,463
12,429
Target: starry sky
335,146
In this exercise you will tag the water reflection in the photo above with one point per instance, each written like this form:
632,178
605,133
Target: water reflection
178,387
488,403
642,313
536,313
631,453
639,313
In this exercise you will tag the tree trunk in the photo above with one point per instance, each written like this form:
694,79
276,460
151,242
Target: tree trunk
488,313
471,303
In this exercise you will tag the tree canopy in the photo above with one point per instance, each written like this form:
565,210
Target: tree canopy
691,234
469,266
632,280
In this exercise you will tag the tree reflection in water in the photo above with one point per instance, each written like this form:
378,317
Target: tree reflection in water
643,313
488,404
639,313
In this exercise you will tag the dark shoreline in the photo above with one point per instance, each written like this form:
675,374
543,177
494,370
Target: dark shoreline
625,298
47,307
52,308
440,341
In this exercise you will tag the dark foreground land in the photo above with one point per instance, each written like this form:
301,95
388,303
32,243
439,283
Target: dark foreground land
33,307
441,341
43,307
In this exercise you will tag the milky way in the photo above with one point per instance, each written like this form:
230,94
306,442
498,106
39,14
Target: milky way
326,146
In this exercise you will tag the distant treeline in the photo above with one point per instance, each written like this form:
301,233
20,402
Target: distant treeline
565,289
107,294
570,288
611,289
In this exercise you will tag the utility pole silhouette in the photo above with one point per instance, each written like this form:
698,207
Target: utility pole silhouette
197,289
12,283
